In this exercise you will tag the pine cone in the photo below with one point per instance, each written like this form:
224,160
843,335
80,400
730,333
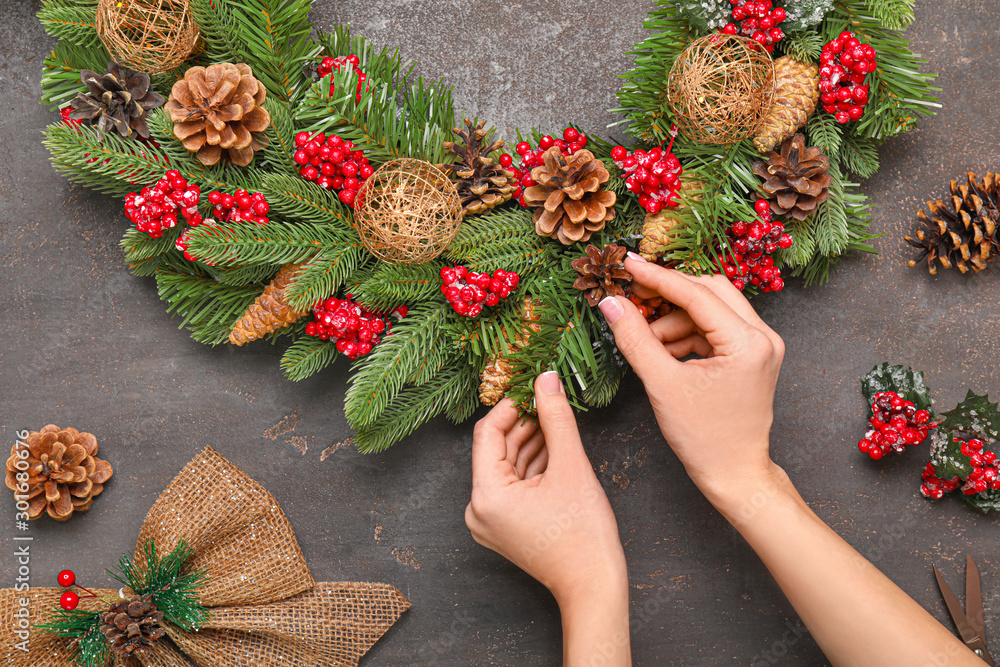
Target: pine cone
796,180
117,100
218,108
657,228
64,473
963,235
269,311
795,97
499,370
570,203
131,626
482,183
602,274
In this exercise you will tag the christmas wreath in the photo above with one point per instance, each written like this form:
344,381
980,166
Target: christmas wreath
286,183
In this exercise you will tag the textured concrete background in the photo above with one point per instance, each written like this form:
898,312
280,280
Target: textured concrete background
88,345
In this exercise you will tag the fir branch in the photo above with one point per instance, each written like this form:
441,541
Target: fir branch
272,36
830,228
505,239
278,152
172,585
391,285
91,648
275,243
106,163
414,352
859,155
382,65
376,124
824,131
218,26
611,368
804,46
139,246
61,70
307,356
414,406
297,199
206,307
893,14
323,274
257,275
71,22
804,244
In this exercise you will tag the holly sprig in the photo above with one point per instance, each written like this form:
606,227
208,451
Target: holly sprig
169,580
906,382
975,417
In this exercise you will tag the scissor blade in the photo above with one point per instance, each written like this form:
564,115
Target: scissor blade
974,597
962,624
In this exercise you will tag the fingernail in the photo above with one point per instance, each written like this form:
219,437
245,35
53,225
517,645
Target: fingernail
549,384
636,257
612,309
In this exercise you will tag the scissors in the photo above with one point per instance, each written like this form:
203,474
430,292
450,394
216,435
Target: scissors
970,624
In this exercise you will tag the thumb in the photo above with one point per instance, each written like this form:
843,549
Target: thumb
555,416
636,340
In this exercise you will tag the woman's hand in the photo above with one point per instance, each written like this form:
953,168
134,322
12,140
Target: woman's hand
537,502
716,411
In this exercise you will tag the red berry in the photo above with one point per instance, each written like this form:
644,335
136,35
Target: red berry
506,160
66,578
69,600
571,135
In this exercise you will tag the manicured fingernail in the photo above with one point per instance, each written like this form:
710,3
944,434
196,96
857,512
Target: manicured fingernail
612,309
636,257
549,384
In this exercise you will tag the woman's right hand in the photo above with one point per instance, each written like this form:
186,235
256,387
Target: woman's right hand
715,411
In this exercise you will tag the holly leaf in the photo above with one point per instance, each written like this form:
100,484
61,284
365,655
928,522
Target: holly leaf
906,382
974,417
984,502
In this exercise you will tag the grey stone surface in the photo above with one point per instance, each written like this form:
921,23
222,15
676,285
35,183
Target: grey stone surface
86,344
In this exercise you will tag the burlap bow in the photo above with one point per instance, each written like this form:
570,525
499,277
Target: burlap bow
266,610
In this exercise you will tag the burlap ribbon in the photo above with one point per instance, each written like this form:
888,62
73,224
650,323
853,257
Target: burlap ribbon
266,610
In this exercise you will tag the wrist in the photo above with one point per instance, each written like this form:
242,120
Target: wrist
602,583
740,497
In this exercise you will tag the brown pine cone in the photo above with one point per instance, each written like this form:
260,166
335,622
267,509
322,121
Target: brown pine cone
118,100
269,312
602,273
963,235
795,96
482,183
499,370
131,626
218,108
570,204
796,180
63,472
657,228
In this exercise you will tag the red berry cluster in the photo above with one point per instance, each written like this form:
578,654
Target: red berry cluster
844,65
355,329
241,206
985,475
332,163
154,209
935,487
758,20
70,599
896,422
572,141
467,291
655,176
751,244
330,64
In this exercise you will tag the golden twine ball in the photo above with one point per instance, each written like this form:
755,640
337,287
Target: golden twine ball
151,36
721,88
407,212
